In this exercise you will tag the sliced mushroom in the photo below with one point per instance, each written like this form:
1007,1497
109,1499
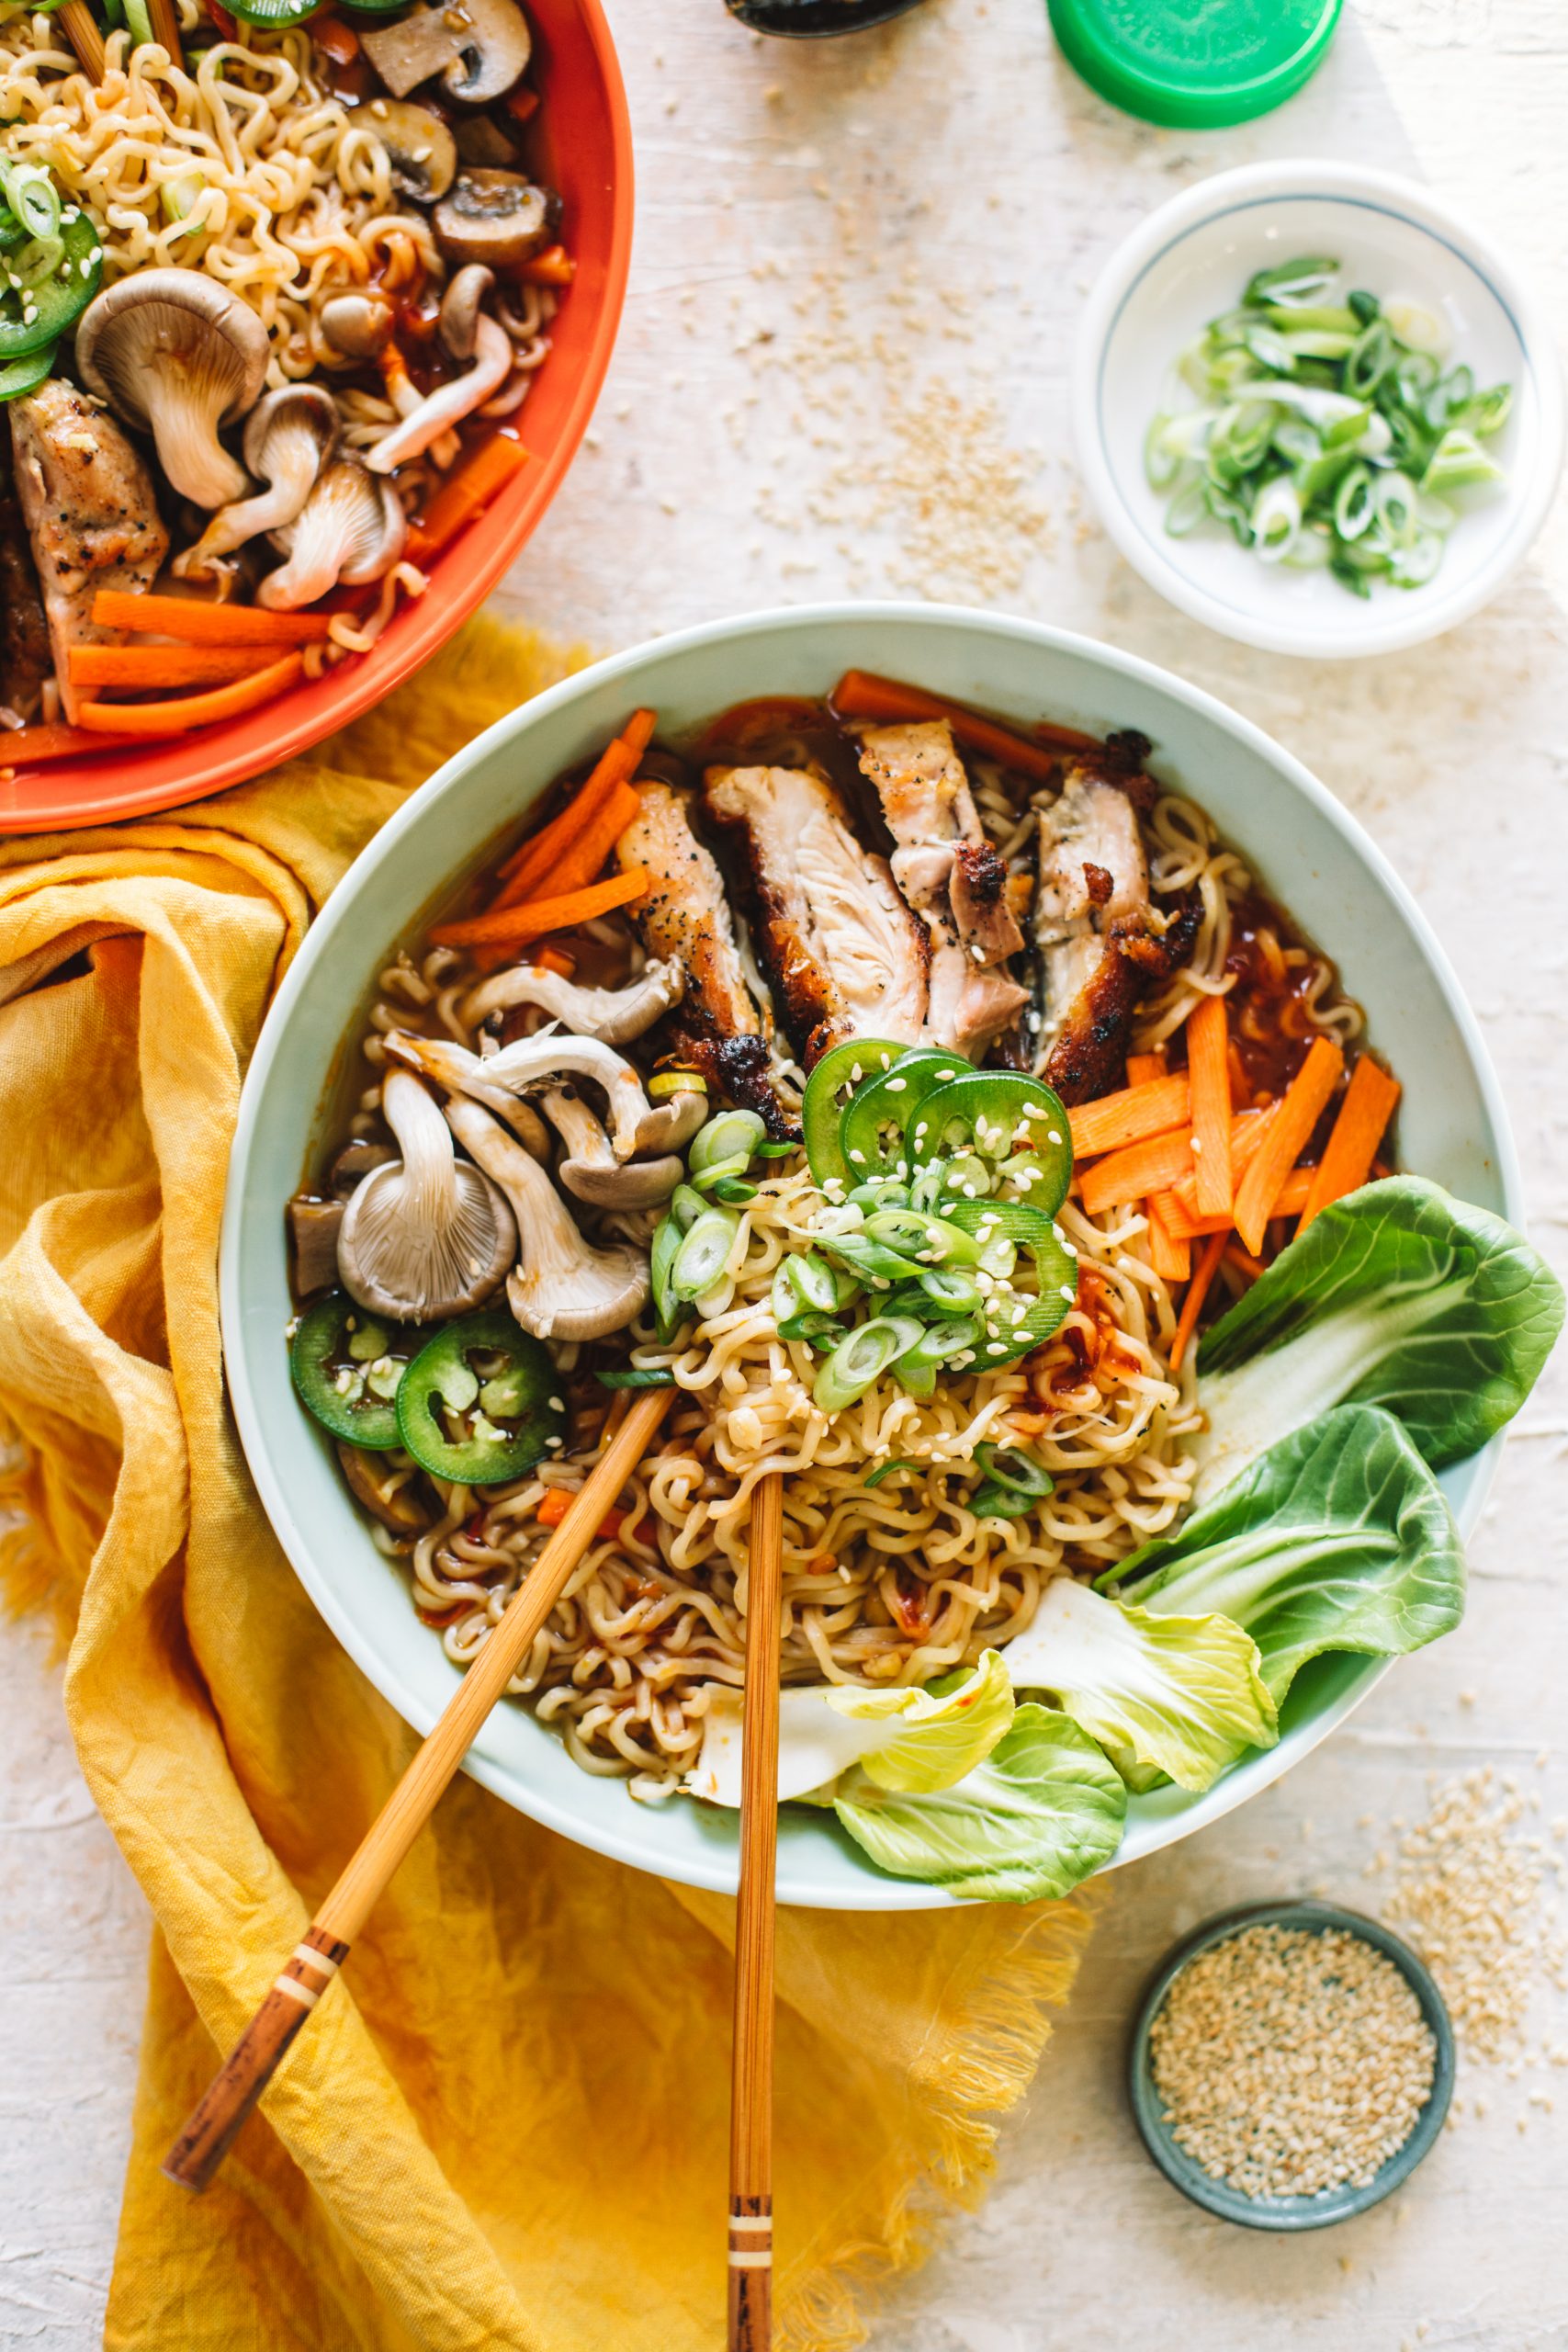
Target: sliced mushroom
590,1169
425,1235
420,149
446,407
460,308
290,437
613,1015
355,1162
171,350
530,1065
352,529
479,48
481,140
358,326
495,217
313,1227
562,1287
495,48
390,1492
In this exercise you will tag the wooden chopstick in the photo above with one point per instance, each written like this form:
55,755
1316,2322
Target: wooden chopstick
81,29
249,2067
165,24
751,2080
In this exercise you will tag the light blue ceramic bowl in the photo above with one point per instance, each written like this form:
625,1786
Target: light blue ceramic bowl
1307,851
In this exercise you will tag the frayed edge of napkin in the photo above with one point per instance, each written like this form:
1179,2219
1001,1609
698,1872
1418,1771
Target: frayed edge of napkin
979,2068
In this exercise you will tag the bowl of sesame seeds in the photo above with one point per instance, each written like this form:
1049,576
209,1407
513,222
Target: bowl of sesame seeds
1291,2065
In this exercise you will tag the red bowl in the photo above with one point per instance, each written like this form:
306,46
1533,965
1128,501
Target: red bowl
585,151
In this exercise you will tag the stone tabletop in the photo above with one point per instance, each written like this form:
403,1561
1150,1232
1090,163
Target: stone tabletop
843,370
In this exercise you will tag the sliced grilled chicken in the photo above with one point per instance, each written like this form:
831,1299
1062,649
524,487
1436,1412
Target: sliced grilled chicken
24,632
718,1025
842,951
90,512
953,877
1102,945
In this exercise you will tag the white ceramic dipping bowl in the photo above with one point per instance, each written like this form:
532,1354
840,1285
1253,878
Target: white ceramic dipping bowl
1190,261
1305,849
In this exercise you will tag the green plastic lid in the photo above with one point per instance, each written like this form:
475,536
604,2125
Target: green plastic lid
1196,63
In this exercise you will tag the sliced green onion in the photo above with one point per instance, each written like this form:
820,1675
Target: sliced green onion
1363,308
703,1252
1413,566
1010,1466
1488,411
633,1375
1415,326
1353,507
685,1206
1395,498
665,1082
1186,510
861,1359
816,1330
667,1238
1277,519
899,1464
951,1289
1457,462
734,1135
1370,357
811,1279
1291,284
733,1191
34,199
1161,462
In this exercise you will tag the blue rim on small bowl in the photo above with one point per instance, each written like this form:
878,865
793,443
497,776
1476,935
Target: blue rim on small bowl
1186,264
1328,2205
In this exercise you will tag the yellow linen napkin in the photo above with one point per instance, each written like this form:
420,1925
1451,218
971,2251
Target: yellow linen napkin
506,2126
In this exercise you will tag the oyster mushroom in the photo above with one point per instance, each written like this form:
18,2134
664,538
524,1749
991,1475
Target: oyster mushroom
290,437
562,1287
590,1169
421,150
358,326
388,1492
169,349
424,1236
460,308
532,1064
494,217
672,1124
492,349
351,528
613,1015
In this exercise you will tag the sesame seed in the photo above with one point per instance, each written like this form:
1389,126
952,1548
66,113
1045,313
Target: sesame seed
1290,2062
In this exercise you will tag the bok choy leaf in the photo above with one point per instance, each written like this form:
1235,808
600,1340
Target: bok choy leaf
1337,1538
1398,1295
1041,1813
1180,1694
908,1739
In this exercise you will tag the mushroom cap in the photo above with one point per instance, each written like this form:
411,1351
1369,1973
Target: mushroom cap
302,413
460,307
536,1062
562,1286
351,528
424,1236
420,149
159,319
613,1015
493,216
672,1123
590,1169
495,46
358,325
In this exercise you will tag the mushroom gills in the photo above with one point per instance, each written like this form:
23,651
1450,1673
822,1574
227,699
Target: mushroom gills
389,1491
351,528
172,350
562,1286
425,1235
290,437
421,150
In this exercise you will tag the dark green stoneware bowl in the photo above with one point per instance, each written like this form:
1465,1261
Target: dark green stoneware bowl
1329,2204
